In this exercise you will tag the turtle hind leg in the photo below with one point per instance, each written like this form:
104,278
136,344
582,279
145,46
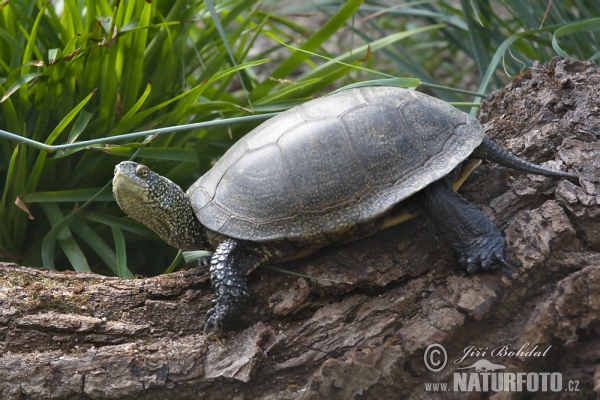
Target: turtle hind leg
475,239
229,267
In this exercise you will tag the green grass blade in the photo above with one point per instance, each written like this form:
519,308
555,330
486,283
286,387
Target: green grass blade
12,42
10,114
97,244
162,153
24,80
39,163
134,72
215,18
174,264
287,90
9,175
215,106
29,48
498,57
419,13
65,238
126,124
191,257
313,43
279,106
11,217
125,223
585,26
182,108
405,62
360,52
401,82
69,196
479,48
138,104
175,13
53,235
372,71
122,270
80,124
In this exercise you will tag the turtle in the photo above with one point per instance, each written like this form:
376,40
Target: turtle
331,170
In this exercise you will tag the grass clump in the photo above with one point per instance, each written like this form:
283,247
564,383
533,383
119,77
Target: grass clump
99,69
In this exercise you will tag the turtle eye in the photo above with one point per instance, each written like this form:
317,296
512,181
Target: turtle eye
141,171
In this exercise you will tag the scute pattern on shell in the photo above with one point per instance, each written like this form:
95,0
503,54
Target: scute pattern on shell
331,164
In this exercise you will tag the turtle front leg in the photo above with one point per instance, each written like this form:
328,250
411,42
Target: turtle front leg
229,267
478,243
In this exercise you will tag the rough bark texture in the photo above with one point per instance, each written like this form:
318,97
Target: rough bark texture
80,336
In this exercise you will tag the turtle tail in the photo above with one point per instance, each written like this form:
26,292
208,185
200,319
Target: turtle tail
489,150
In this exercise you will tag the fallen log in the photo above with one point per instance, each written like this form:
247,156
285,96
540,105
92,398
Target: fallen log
78,336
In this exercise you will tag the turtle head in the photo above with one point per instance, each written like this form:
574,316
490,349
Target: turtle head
159,204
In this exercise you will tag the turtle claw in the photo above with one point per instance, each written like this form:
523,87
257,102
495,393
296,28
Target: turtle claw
214,317
211,324
509,271
223,311
204,261
487,254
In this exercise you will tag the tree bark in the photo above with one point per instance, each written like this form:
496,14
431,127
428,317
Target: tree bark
78,336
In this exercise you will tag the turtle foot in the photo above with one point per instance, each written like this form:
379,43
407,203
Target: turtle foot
485,254
214,317
223,311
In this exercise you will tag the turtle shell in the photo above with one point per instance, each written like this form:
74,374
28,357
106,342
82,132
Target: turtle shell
332,164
